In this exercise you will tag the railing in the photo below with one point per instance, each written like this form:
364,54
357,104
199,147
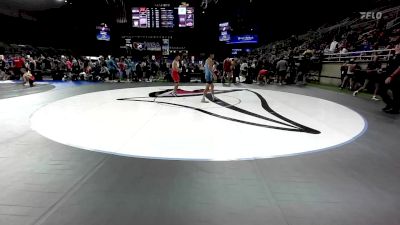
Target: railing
360,56
393,23
391,10
343,23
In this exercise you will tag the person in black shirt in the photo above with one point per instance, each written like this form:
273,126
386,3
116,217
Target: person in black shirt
303,70
352,71
2,68
392,82
139,71
292,69
2,63
154,68
372,74
236,70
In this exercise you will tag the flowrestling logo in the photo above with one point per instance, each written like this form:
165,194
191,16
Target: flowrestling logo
370,15
284,123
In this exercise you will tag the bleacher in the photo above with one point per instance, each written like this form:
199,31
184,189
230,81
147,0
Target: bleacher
326,33
362,38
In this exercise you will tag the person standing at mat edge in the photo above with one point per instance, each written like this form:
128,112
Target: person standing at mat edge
228,73
175,73
392,82
208,70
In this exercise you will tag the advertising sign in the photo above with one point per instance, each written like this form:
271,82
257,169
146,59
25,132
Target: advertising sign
244,39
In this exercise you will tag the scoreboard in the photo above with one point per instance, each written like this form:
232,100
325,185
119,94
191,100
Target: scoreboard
162,17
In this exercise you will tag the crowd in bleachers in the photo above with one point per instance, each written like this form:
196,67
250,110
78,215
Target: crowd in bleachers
302,54
76,68
351,36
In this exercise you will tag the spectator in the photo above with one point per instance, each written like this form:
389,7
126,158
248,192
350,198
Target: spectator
244,68
88,70
263,75
350,75
9,74
112,67
146,70
121,69
129,67
252,75
236,70
19,63
282,69
139,71
2,68
343,72
344,50
104,73
392,82
303,70
227,67
154,67
366,46
69,66
373,69
327,50
333,46
75,69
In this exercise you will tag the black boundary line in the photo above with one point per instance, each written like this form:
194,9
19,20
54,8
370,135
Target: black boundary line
237,109
265,105
218,102
297,127
219,116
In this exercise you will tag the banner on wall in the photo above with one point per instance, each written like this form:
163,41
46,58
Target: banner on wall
244,39
165,47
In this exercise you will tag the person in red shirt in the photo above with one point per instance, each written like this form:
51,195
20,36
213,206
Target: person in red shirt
18,65
121,67
228,72
263,75
69,66
18,62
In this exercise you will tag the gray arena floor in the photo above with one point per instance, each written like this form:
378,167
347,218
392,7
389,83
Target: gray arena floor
48,183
